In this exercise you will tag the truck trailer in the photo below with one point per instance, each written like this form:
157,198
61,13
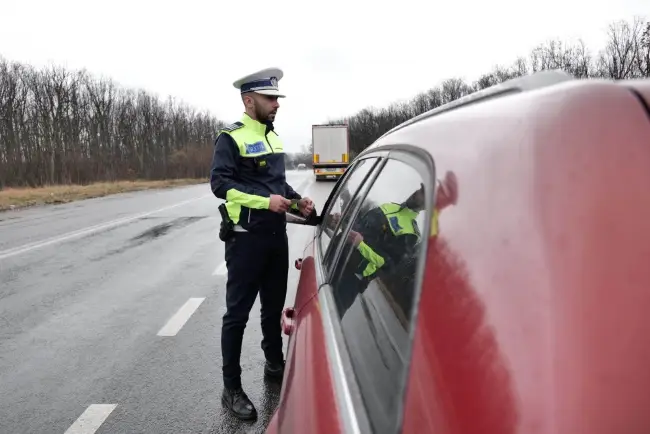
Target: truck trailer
331,145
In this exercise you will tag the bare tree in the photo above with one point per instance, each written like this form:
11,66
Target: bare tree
58,126
620,58
643,52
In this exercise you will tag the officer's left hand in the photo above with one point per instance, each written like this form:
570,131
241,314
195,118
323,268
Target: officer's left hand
306,206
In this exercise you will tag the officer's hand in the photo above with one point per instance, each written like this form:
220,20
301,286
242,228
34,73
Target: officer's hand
306,206
278,203
354,238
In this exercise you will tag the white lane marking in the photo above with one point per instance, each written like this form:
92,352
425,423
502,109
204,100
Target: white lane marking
89,230
220,270
179,319
91,419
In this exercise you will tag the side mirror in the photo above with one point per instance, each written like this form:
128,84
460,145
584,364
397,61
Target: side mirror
293,216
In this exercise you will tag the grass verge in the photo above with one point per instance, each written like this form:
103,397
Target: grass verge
14,198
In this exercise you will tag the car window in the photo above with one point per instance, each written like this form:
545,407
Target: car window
339,205
374,285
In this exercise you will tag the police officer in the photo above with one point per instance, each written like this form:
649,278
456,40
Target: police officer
248,171
386,240
382,239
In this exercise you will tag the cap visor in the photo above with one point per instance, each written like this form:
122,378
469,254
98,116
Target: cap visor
270,93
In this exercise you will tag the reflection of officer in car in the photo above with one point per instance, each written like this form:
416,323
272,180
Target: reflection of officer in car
382,238
248,171
386,243
446,195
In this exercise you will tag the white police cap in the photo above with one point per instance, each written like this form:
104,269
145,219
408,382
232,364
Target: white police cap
264,82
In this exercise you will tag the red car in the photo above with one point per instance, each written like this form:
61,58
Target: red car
483,268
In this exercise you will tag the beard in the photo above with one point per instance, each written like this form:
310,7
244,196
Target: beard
263,116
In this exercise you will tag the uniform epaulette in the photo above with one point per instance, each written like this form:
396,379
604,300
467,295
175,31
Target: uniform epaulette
233,127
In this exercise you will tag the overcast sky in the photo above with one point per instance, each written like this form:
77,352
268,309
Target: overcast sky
338,56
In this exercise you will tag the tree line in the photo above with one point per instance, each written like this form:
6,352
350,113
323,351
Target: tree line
60,127
626,55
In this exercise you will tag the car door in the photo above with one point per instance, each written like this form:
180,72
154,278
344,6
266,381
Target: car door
369,321
307,402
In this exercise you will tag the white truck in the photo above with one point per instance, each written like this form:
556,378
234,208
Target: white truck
331,148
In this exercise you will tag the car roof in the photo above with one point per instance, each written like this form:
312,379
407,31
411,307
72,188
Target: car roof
515,85
553,81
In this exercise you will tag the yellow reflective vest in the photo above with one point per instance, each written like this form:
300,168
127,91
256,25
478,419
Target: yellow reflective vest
247,168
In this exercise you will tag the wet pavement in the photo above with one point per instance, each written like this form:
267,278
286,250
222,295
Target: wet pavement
85,289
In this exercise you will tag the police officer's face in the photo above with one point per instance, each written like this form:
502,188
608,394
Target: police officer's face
266,106
416,201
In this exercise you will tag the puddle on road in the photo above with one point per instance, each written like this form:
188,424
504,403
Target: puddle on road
7,217
153,233
164,228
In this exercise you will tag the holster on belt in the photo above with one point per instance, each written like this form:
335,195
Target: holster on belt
226,230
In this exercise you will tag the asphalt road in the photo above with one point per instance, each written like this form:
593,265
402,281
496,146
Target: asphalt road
110,315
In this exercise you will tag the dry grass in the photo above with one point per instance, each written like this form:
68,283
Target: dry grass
13,198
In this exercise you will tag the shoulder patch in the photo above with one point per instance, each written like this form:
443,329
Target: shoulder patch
232,127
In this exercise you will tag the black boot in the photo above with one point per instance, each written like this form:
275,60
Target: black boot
237,401
274,370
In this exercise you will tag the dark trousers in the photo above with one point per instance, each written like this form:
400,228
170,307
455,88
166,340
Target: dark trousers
347,289
255,262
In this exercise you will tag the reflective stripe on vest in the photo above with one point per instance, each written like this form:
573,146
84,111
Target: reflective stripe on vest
375,260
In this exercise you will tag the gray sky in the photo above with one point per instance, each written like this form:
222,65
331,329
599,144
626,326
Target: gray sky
338,56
